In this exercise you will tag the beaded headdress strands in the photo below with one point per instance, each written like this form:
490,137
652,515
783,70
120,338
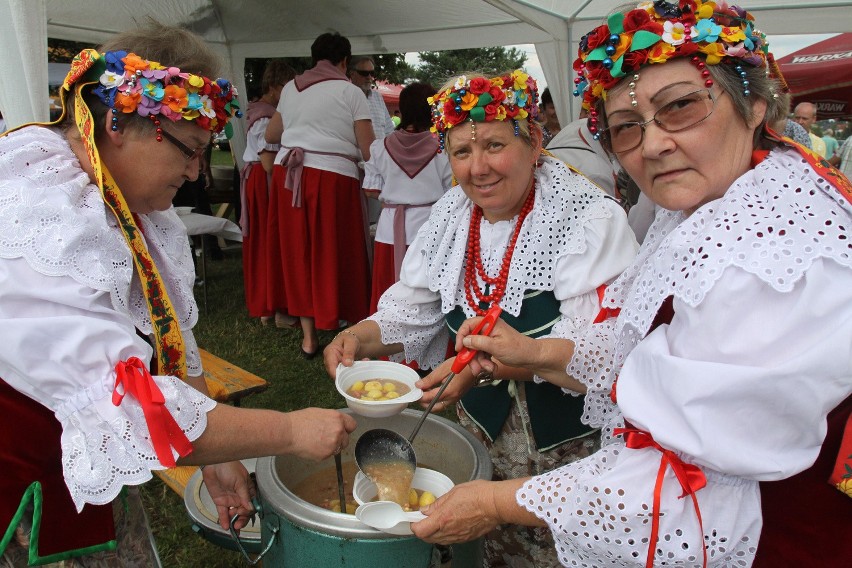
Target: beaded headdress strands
507,97
655,32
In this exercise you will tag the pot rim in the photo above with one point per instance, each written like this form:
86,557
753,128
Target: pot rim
277,498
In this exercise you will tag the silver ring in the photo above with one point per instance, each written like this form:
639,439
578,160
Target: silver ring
484,377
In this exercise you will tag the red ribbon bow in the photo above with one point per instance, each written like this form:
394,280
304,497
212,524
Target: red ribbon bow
605,313
690,476
165,433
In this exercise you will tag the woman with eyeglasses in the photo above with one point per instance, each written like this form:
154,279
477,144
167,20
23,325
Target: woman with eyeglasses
100,376
728,366
317,221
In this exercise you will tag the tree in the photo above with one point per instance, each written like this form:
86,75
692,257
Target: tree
393,68
436,67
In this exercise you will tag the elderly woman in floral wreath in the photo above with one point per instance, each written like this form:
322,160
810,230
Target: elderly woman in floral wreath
733,345
96,279
520,230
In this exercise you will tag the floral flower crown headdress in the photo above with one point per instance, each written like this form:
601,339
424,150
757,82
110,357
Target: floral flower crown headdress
507,97
128,84
657,31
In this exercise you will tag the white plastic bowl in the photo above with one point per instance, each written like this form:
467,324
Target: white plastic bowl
435,482
371,370
364,491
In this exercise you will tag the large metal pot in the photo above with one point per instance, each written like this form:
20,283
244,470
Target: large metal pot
299,534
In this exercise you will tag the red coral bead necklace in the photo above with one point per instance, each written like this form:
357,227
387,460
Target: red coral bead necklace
496,286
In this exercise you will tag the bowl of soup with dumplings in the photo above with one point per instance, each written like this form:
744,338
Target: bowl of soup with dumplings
377,389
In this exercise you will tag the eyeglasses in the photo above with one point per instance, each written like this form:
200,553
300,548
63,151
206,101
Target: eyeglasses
682,113
364,73
188,153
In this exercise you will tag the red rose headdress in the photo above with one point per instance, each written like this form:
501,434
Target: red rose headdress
658,31
506,97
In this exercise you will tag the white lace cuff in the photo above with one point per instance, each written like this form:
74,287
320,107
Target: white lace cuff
105,447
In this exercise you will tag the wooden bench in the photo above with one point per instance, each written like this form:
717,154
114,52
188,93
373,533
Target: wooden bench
226,383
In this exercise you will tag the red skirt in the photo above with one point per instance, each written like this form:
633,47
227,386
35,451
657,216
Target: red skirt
30,451
806,521
255,244
323,247
384,275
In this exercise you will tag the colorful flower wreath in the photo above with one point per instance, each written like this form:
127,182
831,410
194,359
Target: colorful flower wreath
507,97
131,84
658,31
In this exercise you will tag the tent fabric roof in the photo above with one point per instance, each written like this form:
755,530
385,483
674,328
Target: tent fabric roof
277,28
822,74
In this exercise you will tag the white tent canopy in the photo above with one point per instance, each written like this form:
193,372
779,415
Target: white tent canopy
281,28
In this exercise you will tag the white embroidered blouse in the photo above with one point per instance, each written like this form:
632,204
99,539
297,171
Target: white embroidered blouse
71,306
572,241
738,384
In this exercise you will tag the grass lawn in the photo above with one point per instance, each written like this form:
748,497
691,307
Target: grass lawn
269,352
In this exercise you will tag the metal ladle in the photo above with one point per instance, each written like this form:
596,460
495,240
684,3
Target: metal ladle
385,446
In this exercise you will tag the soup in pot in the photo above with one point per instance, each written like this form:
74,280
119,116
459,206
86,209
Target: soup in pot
320,488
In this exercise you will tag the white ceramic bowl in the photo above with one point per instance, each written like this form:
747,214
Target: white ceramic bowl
370,370
364,491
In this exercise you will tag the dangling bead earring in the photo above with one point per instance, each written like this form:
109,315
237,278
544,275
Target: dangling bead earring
114,120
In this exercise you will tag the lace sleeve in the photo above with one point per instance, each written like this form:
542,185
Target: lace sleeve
104,446
410,313
599,511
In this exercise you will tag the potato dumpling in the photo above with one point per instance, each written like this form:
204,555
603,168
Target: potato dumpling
376,390
413,498
426,498
351,506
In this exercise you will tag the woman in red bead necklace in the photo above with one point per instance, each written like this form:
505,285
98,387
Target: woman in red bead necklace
520,230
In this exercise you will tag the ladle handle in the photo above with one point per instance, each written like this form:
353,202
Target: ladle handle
483,328
341,493
429,408
462,359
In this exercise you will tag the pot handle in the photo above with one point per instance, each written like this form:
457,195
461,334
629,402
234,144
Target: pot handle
239,543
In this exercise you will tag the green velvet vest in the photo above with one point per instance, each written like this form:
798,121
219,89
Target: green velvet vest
554,414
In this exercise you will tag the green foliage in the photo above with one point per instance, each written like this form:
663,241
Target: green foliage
393,68
436,67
